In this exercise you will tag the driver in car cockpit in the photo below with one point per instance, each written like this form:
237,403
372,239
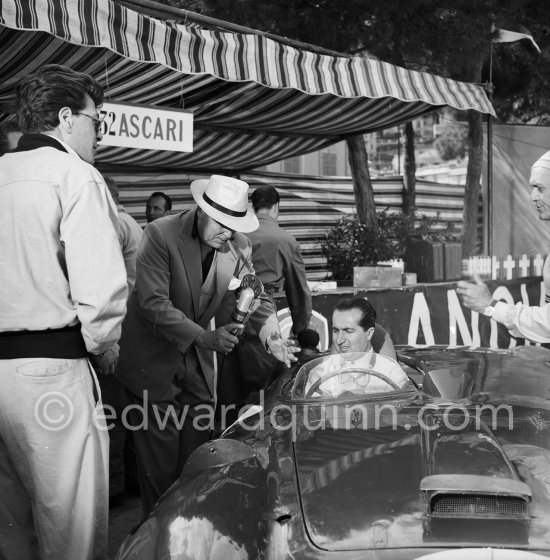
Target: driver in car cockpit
353,321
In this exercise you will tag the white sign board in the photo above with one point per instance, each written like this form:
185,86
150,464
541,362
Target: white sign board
139,126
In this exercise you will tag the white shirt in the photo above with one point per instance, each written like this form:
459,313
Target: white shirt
351,379
524,321
60,260
531,322
129,235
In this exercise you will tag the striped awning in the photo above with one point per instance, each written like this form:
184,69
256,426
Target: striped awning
255,100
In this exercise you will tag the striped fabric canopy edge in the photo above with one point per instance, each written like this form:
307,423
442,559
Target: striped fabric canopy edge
234,57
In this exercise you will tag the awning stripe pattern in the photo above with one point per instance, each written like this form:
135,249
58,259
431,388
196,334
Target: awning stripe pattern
239,86
310,205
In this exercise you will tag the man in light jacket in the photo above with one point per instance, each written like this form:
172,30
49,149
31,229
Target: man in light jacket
63,297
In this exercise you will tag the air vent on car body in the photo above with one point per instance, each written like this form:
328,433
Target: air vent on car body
476,497
479,506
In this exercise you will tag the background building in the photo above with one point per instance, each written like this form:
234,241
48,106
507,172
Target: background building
385,152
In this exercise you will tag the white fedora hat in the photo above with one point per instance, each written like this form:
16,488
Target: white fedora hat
225,199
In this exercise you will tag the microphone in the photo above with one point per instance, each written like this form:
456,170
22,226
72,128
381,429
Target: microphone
242,306
251,288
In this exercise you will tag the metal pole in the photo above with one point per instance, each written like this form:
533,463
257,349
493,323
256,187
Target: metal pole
490,160
180,15
490,185
398,150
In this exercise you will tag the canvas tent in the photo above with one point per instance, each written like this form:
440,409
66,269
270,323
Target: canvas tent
255,100
514,227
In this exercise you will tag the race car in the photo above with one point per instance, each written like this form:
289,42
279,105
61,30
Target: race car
335,460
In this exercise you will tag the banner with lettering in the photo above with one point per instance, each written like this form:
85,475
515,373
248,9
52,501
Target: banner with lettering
426,313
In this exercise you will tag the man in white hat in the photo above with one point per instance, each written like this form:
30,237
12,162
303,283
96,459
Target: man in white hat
531,322
187,265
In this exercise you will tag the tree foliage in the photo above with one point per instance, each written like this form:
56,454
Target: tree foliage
451,38
451,142
352,243
521,76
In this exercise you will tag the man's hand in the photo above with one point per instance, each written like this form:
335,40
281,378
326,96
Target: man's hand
475,295
105,363
283,350
223,339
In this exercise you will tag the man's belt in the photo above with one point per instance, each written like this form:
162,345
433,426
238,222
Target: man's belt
51,343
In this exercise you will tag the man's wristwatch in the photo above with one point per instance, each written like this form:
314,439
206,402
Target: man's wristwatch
490,309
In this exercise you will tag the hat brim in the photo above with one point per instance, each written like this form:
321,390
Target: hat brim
242,224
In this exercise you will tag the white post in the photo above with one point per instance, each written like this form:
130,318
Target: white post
524,266
509,265
538,263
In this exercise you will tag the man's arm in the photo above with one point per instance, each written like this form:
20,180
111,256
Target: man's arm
95,267
297,291
521,320
153,291
263,319
129,244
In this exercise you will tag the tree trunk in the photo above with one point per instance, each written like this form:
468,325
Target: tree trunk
362,185
473,177
409,177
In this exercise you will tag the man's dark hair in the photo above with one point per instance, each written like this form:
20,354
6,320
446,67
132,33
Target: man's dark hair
112,186
368,313
264,198
41,95
167,199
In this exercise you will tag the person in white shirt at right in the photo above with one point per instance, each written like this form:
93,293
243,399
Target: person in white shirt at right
524,321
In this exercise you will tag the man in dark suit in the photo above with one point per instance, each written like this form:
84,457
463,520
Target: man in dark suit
188,267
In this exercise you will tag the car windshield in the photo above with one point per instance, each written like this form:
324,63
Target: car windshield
354,373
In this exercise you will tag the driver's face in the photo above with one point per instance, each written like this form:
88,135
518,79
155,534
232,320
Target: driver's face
347,334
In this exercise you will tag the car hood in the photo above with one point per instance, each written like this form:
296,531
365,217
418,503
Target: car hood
367,486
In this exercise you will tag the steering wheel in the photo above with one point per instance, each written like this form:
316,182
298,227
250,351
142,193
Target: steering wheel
315,387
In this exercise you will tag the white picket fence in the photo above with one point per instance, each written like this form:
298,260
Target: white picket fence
507,268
